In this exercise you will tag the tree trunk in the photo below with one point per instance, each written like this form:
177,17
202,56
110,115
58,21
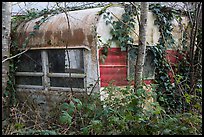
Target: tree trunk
142,45
6,28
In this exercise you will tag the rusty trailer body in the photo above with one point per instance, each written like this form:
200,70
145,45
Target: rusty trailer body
54,39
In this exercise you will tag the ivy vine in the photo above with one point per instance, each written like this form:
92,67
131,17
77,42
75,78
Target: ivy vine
121,29
168,96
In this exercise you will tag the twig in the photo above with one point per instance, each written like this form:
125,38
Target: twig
136,12
94,86
15,55
68,29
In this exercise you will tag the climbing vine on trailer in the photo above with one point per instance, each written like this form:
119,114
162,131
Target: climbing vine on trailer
168,96
121,28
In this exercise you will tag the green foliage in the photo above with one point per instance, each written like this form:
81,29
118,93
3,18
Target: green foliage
10,89
69,110
122,29
167,93
66,118
125,112
175,98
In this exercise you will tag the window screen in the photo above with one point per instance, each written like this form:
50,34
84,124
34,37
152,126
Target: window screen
149,66
30,61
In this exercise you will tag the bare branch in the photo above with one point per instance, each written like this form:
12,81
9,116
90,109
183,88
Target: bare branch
189,13
136,13
15,55
68,29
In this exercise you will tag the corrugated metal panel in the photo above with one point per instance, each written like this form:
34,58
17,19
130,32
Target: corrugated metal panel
114,69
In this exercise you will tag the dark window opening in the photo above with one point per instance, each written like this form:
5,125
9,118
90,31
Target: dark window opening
30,62
28,80
67,82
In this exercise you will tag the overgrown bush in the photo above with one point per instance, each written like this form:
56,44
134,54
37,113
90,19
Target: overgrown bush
124,112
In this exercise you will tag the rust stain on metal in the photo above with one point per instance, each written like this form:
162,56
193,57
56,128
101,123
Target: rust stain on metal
90,39
55,33
77,38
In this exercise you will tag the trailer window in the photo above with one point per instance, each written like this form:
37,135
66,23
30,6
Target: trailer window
149,66
51,68
28,68
67,62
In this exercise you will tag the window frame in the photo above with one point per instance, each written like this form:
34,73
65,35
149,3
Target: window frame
46,75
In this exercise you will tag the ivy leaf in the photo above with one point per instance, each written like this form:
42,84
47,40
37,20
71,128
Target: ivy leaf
36,27
65,105
107,22
123,48
129,117
85,130
79,103
72,104
104,16
95,122
161,99
32,33
65,118
162,78
184,128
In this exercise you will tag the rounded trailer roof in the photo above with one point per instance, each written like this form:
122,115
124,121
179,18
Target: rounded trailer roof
85,26
54,33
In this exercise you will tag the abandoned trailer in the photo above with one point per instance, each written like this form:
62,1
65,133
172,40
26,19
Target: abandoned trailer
62,58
